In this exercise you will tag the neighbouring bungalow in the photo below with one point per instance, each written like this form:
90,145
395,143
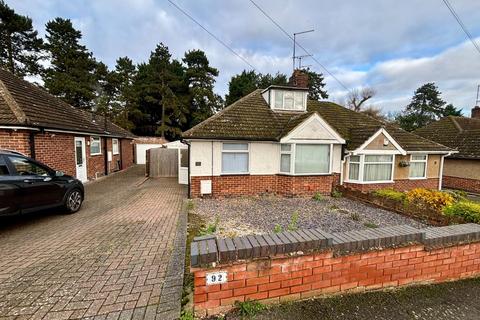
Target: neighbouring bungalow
49,130
277,141
462,169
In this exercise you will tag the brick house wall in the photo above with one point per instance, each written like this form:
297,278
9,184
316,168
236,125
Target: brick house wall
56,150
15,140
127,149
400,185
471,185
251,185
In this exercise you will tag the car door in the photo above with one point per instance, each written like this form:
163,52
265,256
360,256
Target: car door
38,188
10,193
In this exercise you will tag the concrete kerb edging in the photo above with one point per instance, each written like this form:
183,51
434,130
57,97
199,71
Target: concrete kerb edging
208,251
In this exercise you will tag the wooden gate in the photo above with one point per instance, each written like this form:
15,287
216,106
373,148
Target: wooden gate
162,162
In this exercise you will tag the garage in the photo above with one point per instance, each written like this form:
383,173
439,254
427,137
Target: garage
142,144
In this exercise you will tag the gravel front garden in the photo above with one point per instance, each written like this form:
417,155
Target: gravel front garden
260,215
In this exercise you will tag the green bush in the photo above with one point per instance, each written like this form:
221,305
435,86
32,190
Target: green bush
468,210
390,194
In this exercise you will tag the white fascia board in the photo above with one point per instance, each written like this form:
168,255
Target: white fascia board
361,149
337,138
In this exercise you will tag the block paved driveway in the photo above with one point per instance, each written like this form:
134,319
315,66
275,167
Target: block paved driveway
120,257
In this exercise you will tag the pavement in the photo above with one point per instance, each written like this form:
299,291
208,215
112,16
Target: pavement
120,257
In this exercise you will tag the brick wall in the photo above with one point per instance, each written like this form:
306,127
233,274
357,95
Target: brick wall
127,149
56,151
471,185
279,278
15,140
400,185
249,185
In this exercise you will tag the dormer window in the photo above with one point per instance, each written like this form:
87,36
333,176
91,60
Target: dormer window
285,98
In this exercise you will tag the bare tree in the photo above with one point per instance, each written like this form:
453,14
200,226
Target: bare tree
374,112
356,98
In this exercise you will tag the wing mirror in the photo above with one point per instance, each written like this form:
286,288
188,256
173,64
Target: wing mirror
59,174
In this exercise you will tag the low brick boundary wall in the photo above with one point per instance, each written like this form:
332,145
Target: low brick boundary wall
297,265
399,185
470,185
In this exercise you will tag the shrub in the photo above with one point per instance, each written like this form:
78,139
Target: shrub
433,199
390,194
468,210
318,197
249,308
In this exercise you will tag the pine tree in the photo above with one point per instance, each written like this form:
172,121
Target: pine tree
72,74
20,46
124,105
450,110
426,106
200,78
316,85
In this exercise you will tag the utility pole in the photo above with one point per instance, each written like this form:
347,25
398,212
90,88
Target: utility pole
295,44
478,96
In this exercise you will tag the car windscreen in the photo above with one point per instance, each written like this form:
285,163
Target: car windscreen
25,167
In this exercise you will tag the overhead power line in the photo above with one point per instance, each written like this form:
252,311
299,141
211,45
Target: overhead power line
211,34
298,44
455,15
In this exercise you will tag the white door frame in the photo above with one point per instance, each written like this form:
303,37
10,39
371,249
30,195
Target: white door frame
81,170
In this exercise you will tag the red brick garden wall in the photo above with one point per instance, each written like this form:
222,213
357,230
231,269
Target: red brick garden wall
126,149
471,185
247,185
400,185
278,279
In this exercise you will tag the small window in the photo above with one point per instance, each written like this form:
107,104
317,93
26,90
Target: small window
235,158
278,99
288,100
285,158
115,148
95,146
25,167
378,168
354,168
418,166
298,100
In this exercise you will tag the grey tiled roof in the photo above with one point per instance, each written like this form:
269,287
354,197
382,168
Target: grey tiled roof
251,118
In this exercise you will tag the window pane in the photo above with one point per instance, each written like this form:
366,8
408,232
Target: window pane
288,100
417,169
79,152
377,172
94,148
115,146
285,163
353,171
298,100
354,158
3,168
278,99
286,147
378,158
27,168
235,146
419,157
234,162
312,158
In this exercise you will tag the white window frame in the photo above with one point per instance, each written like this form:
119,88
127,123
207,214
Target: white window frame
361,179
292,153
294,92
117,145
418,161
247,151
359,162
92,141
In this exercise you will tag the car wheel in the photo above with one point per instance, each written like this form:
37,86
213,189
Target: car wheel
73,201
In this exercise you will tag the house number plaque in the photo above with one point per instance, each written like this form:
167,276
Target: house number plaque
216,277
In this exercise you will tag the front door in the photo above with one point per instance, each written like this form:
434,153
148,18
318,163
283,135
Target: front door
81,159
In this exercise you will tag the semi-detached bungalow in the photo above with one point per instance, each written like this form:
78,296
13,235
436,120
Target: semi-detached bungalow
461,169
47,129
278,141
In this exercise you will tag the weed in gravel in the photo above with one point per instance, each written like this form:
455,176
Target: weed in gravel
334,207
293,225
249,308
211,228
355,216
277,228
370,225
318,197
187,315
336,194
190,205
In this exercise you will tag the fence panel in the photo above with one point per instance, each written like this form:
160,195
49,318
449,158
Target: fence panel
163,162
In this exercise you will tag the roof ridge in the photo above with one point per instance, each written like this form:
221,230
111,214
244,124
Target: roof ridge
219,113
12,104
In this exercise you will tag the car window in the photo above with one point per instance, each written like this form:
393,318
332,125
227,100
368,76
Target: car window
3,167
25,167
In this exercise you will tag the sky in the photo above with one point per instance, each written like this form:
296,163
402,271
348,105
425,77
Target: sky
392,46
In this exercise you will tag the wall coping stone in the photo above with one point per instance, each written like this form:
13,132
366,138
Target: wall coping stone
208,249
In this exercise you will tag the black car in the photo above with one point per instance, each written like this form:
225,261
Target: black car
27,185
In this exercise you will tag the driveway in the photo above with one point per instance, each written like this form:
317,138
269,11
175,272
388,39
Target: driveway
120,257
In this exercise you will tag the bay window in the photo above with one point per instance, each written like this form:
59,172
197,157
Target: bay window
235,158
305,159
418,166
370,168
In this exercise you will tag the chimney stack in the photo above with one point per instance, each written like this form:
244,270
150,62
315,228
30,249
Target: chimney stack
476,112
299,79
